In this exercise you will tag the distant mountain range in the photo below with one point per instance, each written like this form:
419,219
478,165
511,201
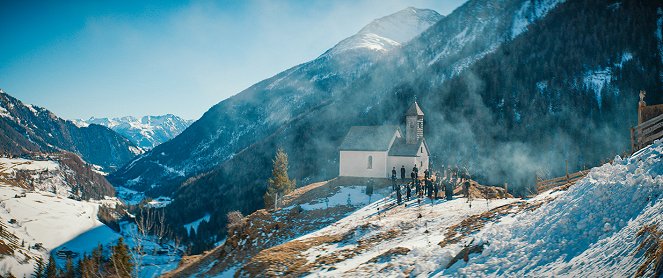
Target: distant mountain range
146,132
27,129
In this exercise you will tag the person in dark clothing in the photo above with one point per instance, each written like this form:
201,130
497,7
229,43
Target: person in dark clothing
436,189
418,188
466,189
399,197
393,178
413,176
415,170
429,189
408,192
403,173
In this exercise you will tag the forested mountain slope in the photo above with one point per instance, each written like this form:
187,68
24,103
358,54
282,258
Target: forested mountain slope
25,129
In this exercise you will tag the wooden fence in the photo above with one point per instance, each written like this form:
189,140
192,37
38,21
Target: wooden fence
646,132
567,180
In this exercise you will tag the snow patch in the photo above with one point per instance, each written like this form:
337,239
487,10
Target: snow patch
596,80
197,223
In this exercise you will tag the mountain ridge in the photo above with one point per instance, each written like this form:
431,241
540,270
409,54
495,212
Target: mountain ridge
27,129
145,132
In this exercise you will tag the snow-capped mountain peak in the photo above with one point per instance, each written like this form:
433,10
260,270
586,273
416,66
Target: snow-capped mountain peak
386,33
146,132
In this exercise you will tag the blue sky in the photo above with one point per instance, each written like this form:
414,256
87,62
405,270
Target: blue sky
116,58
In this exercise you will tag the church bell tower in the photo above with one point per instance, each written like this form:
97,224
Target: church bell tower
414,124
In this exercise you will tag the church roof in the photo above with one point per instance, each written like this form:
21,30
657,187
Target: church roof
369,138
414,110
401,148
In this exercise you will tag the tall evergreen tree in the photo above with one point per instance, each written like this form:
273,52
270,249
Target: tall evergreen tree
69,268
279,183
95,262
51,269
121,259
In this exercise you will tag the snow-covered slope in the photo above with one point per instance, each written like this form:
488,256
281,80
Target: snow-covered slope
389,32
590,231
30,219
146,132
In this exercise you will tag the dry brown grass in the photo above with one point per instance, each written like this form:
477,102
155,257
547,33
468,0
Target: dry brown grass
478,191
652,245
286,259
289,259
362,245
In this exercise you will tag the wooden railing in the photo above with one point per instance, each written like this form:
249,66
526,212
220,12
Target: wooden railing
569,179
646,132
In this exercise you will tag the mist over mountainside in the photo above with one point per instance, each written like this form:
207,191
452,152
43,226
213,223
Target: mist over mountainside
146,132
517,111
378,97
26,129
242,120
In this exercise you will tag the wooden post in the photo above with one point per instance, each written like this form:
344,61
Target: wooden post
567,171
641,105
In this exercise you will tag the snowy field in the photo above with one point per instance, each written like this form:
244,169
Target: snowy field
50,220
418,234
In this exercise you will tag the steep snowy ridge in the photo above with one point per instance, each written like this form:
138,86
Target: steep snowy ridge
588,231
146,132
389,32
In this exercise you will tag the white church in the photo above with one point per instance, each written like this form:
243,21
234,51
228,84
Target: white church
373,151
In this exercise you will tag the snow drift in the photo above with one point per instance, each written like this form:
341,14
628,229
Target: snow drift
588,232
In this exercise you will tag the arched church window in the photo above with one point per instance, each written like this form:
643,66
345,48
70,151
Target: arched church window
370,162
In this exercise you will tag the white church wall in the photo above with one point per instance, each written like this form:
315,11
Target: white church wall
398,161
355,164
423,159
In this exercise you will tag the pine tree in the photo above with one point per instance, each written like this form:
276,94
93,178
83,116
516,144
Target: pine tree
279,183
51,269
39,268
95,261
69,268
121,260
80,268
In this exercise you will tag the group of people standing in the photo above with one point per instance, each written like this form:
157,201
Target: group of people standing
431,184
